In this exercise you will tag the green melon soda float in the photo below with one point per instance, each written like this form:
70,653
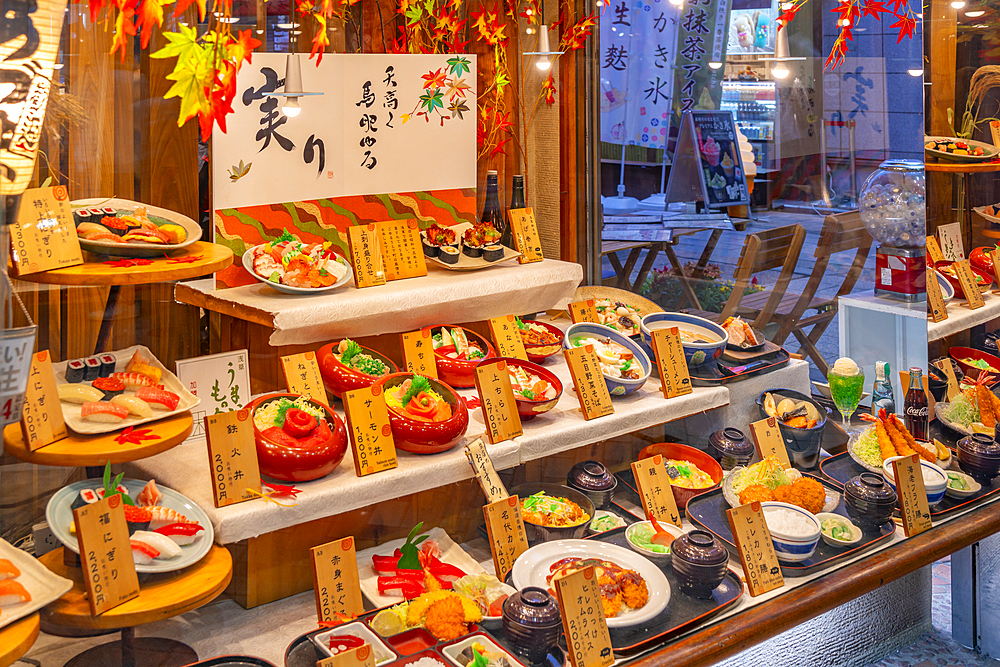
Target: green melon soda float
847,382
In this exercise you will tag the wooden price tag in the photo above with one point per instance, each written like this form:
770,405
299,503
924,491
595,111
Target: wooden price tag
995,132
42,420
935,300
949,373
302,376
505,529
418,353
105,554
486,474
767,440
402,255
913,506
934,250
753,540
44,235
995,255
586,628
362,656
588,382
508,337
654,486
583,311
967,279
232,455
366,255
371,436
526,239
674,377
336,581
497,396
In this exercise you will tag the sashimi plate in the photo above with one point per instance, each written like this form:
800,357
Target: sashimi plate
59,514
43,585
289,289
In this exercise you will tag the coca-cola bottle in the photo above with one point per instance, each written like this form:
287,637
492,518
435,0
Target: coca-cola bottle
915,408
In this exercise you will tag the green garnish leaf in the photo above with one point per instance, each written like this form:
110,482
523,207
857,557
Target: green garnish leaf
521,324
418,384
410,558
353,349
285,236
283,407
627,364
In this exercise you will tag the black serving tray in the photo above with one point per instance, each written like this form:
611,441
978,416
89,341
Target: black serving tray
233,661
718,372
841,468
614,508
708,511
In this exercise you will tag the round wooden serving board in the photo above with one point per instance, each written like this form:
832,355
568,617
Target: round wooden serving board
17,638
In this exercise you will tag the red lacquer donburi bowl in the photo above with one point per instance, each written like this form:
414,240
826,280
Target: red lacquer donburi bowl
419,437
299,463
539,353
338,378
671,450
457,372
530,408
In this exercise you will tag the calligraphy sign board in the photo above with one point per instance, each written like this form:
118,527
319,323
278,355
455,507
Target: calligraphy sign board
768,441
505,529
497,396
418,353
654,487
913,506
42,421
302,376
586,628
220,381
336,581
402,254
583,311
105,554
588,382
366,256
753,540
44,235
31,37
526,239
371,435
362,656
232,456
952,247
486,474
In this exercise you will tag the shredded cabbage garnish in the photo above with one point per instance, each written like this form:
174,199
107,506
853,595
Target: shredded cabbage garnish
867,448
962,411
767,472
481,588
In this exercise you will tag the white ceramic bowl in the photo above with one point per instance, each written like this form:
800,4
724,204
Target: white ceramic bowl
935,489
652,555
855,531
493,622
793,548
974,486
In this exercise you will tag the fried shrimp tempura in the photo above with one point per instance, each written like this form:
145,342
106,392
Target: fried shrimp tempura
805,493
986,415
898,441
756,493
884,443
928,453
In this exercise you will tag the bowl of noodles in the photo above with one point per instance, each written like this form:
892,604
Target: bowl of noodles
426,415
553,511
298,439
702,340
692,471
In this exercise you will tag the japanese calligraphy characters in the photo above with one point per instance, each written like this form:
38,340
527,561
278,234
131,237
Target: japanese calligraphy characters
335,579
105,554
232,455
42,422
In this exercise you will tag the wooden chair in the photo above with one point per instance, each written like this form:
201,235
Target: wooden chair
763,251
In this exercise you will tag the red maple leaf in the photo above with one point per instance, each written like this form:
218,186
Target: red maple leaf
132,437
898,5
279,490
434,79
126,263
837,54
906,24
873,8
95,7
848,13
243,47
549,90
786,17
503,123
499,148
124,28
182,5
150,13
189,259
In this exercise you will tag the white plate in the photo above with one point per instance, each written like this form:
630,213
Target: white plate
452,651
450,553
192,228
532,567
59,515
42,584
940,410
466,263
989,149
958,493
947,291
981,210
288,289
382,652
71,411
733,498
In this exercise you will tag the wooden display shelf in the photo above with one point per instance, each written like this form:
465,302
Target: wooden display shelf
17,638
96,450
962,167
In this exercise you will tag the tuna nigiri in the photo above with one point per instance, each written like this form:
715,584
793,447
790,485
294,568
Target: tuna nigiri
79,393
12,592
135,406
102,411
181,533
8,570
164,515
162,543
167,400
150,495
142,553
134,381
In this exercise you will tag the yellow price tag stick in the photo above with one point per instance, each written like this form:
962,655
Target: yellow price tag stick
366,255
232,455
42,421
584,624
934,250
303,377
526,238
105,554
753,541
653,481
44,235
486,474
584,311
767,440
505,529
675,380
967,279
336,580
507,336
995,255
497,397
371,435
935,300
588,382
418,353
402,254
913,505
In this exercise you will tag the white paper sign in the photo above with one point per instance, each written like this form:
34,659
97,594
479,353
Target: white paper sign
951,241
16,347
221,381
385,123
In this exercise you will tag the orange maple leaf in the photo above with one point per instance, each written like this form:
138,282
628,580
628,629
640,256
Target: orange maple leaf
182,5
242,49
320,40
124,28
434,79
549,90
150,12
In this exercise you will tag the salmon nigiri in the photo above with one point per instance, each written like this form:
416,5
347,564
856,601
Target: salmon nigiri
11,592
8,570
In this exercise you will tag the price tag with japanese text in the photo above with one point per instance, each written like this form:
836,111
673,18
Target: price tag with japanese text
913,506
588,382
232,455
934,250
653,480
583,311
526,238
105,554
302,376
949,373
336,581
967,279
753,541
586,628
994,255
362,656
507,336
42,420
418,353
505,529
486,474
497,397
674,377
767,440
44,235
371,436
366,255
935,300
402,254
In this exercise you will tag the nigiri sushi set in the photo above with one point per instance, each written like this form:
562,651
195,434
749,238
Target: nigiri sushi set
166,530
25,584
103,393
128,228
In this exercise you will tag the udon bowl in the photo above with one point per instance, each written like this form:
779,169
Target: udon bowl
457,372
695,354
528,408
616,386
538,533
539,353
338,378
672,450
291,463
419,437
959,354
